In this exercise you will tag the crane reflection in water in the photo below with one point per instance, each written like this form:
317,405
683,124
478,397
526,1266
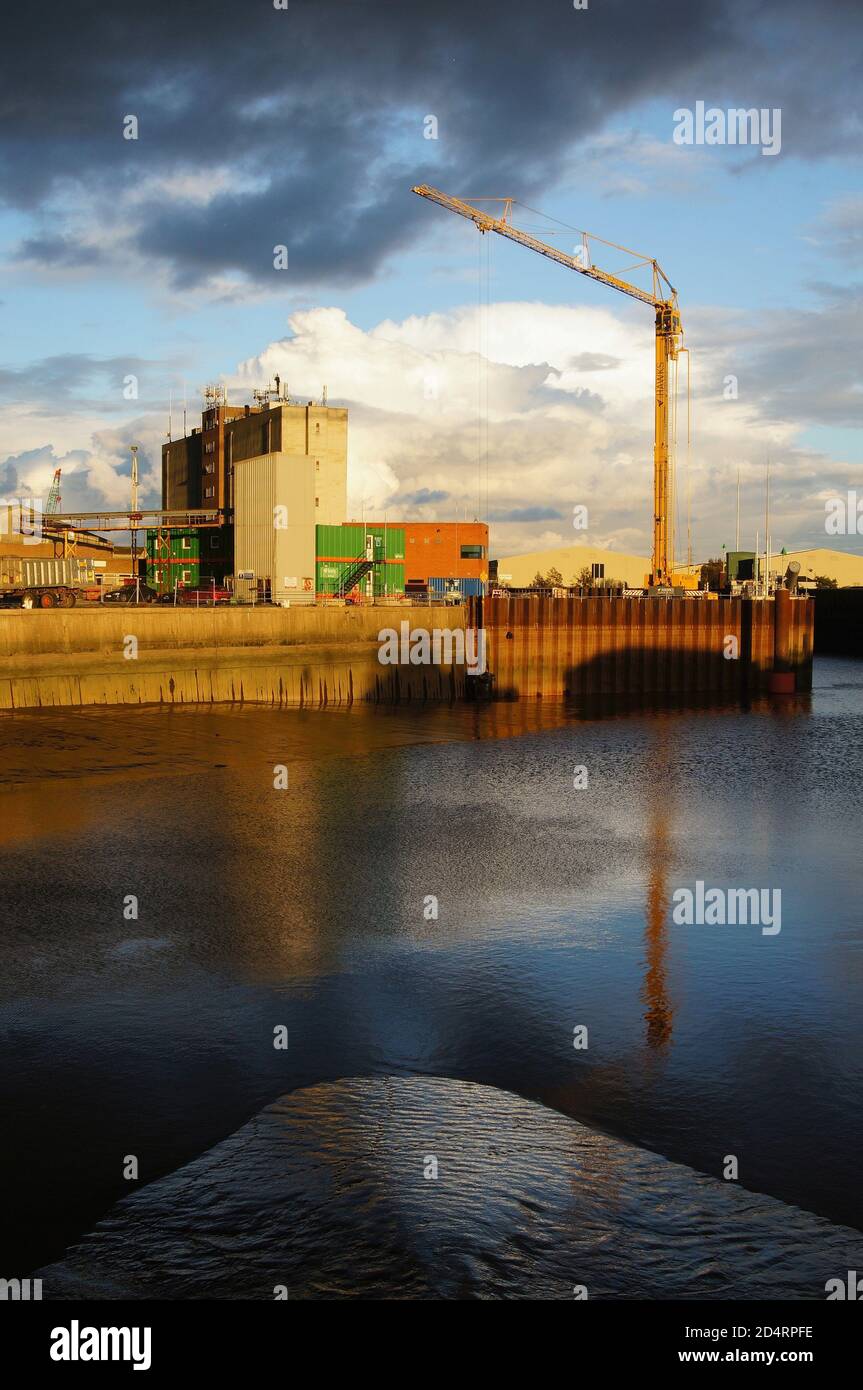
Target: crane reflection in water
658,1015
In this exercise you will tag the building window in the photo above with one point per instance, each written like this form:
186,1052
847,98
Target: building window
317,501
317,465
597,571
185,543
317,429
187,575
473,552
209,492
214,541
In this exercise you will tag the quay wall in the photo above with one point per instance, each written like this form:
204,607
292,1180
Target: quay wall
559,648
297,656
839,621
535,648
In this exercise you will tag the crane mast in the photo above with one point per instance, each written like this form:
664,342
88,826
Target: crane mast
663,299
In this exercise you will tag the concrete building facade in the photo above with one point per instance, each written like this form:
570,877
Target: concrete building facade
274,528
198,469
275,469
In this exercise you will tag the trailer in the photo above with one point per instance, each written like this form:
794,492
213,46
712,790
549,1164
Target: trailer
38,583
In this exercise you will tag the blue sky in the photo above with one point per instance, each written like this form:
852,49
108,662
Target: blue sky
154,256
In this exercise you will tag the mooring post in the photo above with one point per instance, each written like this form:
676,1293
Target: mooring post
782,677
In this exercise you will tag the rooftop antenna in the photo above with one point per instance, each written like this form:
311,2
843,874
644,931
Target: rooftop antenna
324,397
767,530
278,386
170,407
184,408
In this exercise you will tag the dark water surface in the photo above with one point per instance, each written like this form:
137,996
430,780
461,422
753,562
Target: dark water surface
304,908
331,1193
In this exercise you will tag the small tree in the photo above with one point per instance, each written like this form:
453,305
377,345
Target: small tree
537,582
584,578
823,581
553,579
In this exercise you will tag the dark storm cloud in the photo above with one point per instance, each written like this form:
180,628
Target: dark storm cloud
424,497
62,252
61,377
317,110
527,514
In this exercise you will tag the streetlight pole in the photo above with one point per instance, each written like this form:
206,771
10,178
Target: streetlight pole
134,518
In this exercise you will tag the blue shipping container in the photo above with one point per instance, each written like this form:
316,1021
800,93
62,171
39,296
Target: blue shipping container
468,588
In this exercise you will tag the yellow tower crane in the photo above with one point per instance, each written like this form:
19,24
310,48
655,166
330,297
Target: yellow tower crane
669,332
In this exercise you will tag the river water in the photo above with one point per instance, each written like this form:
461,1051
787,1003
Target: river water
430,896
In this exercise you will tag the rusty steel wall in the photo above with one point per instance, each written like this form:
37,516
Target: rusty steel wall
557,648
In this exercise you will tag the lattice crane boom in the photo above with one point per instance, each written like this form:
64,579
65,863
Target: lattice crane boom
52,502
669,331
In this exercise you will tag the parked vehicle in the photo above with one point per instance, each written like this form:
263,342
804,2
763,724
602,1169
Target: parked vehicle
132,594
201,596
42,583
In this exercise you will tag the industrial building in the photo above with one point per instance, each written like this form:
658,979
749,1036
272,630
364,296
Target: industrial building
274,470
519,571
276,473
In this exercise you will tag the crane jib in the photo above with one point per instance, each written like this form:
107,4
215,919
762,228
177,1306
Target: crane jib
668,333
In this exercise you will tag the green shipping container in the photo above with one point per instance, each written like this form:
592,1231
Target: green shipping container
175,559
347,542
386,579
389,579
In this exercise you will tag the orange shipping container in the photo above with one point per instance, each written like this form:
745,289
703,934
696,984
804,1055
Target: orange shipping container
444,549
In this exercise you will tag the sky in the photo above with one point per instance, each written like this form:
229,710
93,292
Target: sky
154,157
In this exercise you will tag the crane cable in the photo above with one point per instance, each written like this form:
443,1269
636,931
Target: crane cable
688,454
673,454
489,324
688,457
482,387
672,463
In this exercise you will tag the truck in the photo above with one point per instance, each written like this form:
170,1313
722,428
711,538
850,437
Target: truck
38,583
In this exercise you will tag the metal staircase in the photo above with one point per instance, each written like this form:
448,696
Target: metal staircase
357,569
